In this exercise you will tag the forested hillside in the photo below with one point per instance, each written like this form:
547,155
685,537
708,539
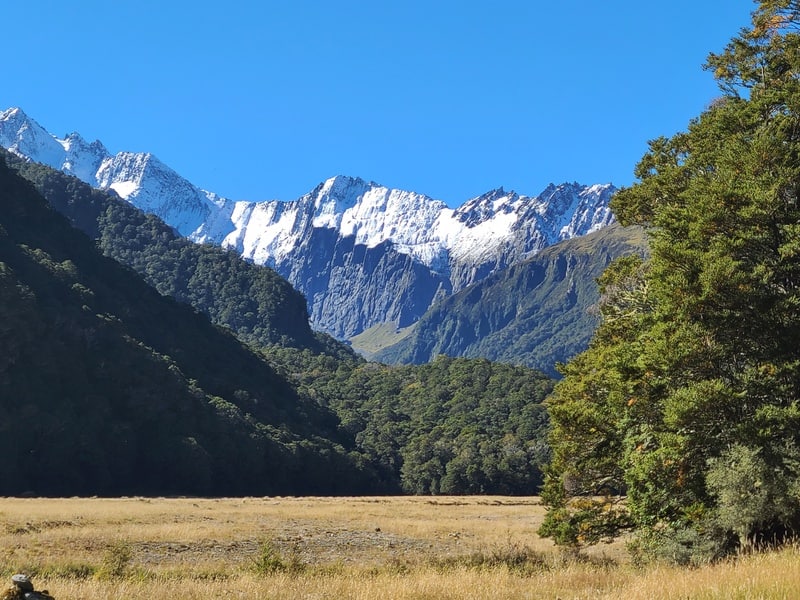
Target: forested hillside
453,426
108,387
256,303
537,313
688,398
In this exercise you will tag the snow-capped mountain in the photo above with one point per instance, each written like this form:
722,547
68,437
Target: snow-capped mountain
140,178
362,253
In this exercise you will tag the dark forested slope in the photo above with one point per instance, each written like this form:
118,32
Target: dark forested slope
536,313
108,387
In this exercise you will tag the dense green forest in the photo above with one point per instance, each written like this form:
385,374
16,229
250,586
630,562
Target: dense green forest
108,387
453,426
112,388
688,398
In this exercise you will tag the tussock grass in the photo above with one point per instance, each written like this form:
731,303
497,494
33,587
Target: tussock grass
345,548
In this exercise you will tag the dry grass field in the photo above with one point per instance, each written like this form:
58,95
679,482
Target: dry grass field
477,548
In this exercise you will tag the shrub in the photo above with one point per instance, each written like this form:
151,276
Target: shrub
514,557
115,561
270,561
753,496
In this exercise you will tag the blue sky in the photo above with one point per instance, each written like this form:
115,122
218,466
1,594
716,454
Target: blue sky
264,99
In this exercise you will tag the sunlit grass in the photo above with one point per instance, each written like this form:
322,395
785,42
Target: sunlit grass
403,548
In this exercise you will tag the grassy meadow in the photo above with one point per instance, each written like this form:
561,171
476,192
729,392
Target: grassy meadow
432,548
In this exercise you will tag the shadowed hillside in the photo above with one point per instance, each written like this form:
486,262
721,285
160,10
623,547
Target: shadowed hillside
108,387
536,313
256,303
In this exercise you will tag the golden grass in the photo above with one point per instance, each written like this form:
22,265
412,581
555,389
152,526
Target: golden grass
479,548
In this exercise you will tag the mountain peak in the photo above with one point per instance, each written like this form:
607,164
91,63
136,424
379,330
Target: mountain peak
74,137
13,112
495,193
341,185
15,121
74,142
26,138
417,236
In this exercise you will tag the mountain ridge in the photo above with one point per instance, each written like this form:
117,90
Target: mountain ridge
255,302
537,313
329,242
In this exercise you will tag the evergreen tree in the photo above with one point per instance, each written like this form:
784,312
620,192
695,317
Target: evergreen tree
687,399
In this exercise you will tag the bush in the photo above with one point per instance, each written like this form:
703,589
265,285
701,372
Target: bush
752,495
685,546
270,561
514,557
115,561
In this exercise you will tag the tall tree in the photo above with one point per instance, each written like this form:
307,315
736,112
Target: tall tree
691,385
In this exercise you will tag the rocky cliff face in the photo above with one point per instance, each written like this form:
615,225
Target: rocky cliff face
351,286
362,253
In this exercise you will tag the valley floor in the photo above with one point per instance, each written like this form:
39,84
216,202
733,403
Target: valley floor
344,548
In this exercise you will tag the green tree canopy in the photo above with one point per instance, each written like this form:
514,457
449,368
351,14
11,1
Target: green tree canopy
687,399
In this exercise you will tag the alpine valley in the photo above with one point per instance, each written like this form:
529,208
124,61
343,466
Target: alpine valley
94,345
113,388
366,257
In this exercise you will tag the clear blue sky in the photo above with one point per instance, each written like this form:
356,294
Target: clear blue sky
263,99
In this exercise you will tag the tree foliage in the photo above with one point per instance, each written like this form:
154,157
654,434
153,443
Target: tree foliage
452,426
687,399
107,387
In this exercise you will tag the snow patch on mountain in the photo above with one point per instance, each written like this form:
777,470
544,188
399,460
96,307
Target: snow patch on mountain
27,139
146,182
140,178
266,232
